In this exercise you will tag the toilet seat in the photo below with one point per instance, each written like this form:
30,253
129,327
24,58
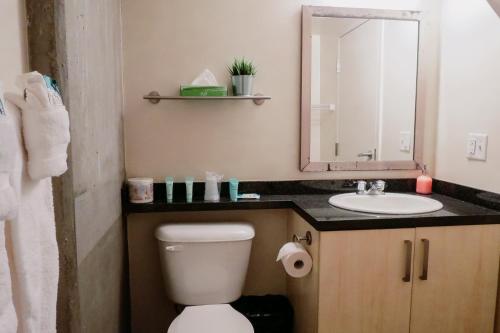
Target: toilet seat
216,318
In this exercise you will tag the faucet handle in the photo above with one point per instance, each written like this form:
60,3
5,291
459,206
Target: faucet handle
380,185
361,185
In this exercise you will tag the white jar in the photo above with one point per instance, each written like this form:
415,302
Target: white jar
140,190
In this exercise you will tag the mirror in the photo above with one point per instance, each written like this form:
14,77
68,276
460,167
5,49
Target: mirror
359,89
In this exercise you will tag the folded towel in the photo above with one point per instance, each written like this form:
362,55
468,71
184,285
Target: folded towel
8,151
45,127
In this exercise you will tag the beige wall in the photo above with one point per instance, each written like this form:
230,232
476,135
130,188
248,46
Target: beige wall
13,41
167,43
469,93
151,310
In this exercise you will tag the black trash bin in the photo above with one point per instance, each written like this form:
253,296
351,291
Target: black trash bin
268,314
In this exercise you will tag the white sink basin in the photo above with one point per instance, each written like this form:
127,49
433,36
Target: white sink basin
388,203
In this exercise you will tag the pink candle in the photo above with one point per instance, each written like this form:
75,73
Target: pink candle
424,184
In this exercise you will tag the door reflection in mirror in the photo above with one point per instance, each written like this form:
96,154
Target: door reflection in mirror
363,89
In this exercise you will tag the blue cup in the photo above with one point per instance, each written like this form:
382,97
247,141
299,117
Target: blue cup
169,182
233,189
189,189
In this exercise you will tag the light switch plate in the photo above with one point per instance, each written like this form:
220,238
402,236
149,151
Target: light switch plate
405,141
477,145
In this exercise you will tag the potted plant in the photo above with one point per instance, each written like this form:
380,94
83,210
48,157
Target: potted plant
242,75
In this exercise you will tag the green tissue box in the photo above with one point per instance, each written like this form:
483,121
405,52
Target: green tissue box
188,90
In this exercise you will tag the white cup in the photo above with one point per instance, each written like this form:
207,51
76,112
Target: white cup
140,190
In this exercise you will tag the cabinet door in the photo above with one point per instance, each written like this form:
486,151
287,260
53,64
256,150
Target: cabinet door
458,293
361,287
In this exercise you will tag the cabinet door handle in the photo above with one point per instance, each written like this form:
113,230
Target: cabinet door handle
425,263
409,249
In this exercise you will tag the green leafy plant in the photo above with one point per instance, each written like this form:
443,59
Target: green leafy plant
242,67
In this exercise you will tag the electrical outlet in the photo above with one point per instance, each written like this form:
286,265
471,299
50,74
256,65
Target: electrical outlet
405,141
477,145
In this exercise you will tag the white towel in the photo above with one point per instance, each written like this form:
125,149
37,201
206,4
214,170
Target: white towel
32,233
8,205
45,127
8,317
35,257
8,199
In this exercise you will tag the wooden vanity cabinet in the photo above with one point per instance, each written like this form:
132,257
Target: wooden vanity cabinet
459,293
361,287
423,280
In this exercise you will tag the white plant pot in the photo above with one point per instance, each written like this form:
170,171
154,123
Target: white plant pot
242,85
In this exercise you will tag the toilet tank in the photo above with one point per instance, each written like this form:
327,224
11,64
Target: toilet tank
204,263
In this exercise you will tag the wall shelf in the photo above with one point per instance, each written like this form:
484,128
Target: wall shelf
154,97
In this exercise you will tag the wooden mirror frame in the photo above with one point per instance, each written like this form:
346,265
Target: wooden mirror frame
308,12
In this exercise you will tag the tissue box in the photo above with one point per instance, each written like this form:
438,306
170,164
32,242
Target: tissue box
190,90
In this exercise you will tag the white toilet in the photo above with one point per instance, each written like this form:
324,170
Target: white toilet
204,267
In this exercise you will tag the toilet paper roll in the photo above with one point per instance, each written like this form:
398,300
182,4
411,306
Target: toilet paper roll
295,259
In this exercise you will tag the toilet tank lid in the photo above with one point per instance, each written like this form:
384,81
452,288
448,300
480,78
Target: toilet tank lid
205,232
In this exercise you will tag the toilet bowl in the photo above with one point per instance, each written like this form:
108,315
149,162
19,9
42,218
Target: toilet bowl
217,318
204,267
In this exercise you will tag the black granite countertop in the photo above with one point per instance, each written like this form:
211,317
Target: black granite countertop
310,200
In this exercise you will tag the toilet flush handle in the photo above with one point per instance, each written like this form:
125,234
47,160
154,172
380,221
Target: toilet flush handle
174,248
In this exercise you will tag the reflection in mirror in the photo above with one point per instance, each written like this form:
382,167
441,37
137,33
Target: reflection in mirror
363,89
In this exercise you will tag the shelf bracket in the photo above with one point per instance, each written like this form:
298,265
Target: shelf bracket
259,101
151,97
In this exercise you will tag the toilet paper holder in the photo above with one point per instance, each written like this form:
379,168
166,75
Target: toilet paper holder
307,238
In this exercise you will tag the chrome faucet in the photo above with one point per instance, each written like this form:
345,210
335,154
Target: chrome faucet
376,188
